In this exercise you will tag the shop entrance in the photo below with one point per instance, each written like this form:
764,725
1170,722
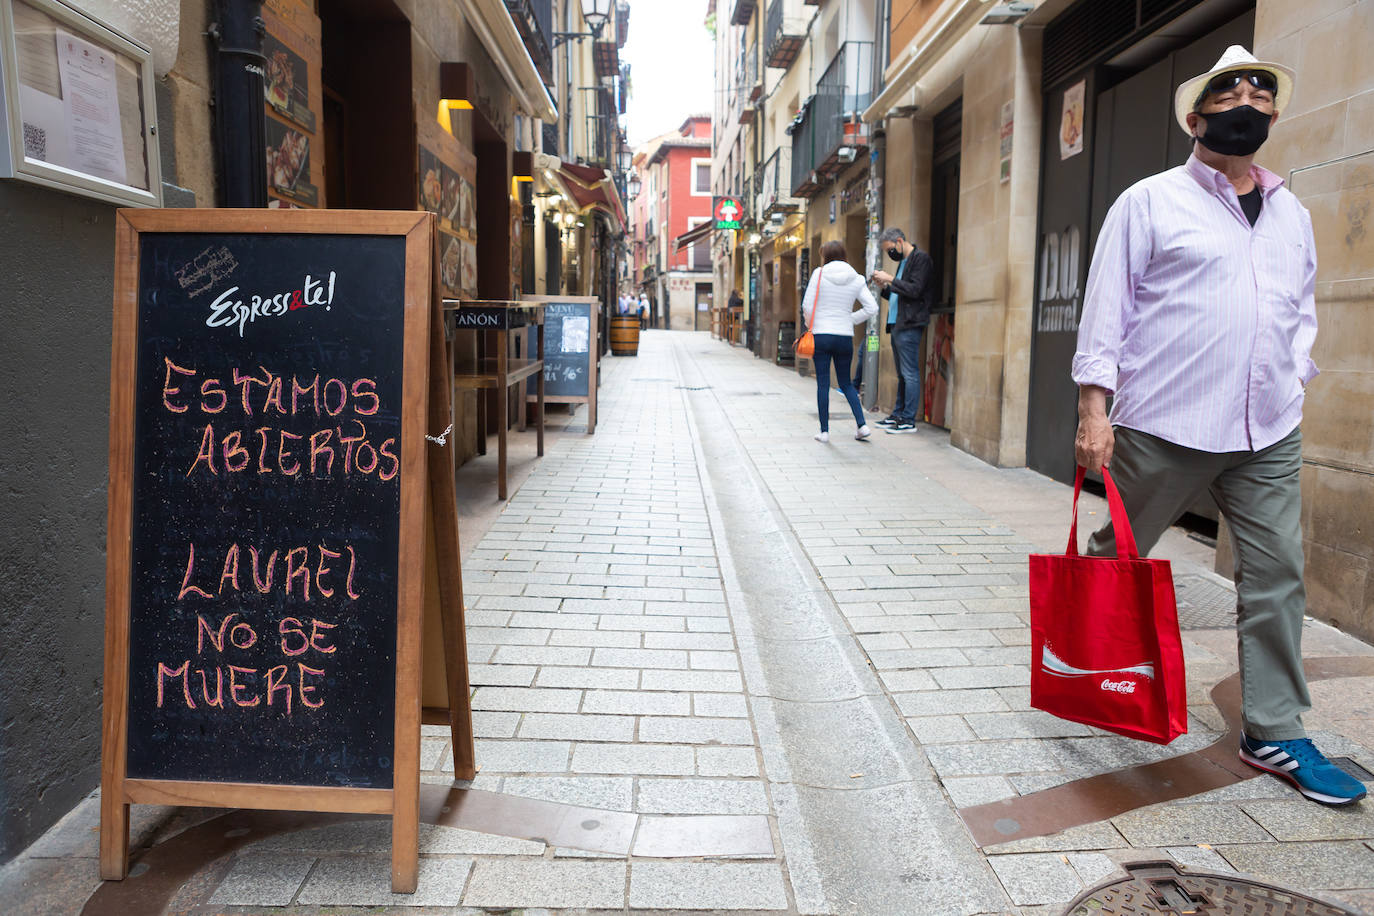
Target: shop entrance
785,298
702,314
937,371
369,122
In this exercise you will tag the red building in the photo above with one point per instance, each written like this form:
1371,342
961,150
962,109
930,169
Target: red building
674,172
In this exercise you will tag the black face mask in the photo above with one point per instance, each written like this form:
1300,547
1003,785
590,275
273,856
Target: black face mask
895,254
1238,131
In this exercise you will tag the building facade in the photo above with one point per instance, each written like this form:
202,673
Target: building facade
996,137
673,172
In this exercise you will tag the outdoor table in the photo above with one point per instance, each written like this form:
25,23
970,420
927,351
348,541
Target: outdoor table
502,371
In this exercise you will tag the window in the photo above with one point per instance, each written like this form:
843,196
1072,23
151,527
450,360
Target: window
700,256
701,177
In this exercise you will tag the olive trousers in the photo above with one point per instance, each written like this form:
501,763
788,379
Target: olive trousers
1258,493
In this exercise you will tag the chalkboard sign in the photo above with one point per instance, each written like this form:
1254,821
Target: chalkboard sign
570,350
269,388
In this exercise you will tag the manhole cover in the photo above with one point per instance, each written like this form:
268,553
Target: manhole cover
1163,888
1204,604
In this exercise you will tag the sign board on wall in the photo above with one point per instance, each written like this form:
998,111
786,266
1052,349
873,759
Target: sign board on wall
728,212
447,173
294,100
77,108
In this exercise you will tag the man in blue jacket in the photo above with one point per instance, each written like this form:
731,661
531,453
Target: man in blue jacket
910,294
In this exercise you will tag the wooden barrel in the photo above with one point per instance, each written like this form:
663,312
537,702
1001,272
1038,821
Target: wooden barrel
625,335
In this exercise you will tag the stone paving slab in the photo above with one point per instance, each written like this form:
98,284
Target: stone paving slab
630,655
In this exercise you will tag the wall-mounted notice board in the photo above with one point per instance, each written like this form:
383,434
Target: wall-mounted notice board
271,390
570,351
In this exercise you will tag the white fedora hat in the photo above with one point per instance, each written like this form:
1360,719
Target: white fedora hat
1235,58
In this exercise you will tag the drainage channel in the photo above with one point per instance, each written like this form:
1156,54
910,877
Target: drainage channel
864,823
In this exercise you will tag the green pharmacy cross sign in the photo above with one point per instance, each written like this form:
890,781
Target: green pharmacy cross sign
727,212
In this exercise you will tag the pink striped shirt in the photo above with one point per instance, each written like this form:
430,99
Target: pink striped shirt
1201,325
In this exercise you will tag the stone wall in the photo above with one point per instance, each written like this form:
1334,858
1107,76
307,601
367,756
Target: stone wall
1323,145
996,251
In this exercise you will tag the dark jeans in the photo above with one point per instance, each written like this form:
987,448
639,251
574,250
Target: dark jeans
897,365
840,349
906,343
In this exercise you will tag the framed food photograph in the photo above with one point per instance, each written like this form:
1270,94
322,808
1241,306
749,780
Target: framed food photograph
288,163
78,104
450,265
468,266
449,208
431,180
293,99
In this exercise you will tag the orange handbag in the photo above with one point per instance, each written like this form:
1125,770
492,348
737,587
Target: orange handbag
806,344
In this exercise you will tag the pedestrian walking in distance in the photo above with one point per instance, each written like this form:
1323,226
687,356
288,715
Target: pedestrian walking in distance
829,312
1199,318
910,294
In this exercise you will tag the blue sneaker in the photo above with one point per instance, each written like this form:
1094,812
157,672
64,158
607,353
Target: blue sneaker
1299,762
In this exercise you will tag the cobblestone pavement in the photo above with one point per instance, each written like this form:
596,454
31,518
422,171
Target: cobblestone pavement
782,668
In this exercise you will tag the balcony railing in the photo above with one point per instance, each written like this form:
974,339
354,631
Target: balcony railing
751,72
601,126
785,31
832,120
803,131
534,21
775,182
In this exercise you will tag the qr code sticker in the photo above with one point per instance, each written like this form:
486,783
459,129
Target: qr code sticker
35,142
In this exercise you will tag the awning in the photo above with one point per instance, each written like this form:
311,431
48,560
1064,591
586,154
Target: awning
589,188
692,236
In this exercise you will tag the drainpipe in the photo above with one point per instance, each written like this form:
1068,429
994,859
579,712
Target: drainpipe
240,122
877,173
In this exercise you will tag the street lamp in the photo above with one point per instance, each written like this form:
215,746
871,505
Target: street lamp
596,13
634,185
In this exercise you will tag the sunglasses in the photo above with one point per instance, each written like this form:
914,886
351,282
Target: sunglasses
1225,82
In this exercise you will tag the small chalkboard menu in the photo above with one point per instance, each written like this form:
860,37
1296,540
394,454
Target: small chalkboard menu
269,384
570,351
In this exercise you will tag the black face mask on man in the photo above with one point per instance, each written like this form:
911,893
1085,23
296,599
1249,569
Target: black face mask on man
1238,131
895,254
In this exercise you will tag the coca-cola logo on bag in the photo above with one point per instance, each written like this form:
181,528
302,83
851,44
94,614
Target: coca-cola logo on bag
1118,686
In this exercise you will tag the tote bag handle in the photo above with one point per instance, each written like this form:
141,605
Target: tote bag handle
1121,525
815,300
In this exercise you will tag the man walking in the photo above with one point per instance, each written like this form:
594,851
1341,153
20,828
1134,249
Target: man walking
910,294
1199,318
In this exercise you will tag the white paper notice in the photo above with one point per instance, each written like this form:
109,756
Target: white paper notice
45,126
90,98
577,333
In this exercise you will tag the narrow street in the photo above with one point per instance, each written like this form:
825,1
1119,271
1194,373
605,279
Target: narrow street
721,666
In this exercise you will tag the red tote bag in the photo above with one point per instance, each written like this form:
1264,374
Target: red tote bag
1105,647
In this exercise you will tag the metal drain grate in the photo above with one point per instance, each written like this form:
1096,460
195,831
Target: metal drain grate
694,387
1203,603
1162,888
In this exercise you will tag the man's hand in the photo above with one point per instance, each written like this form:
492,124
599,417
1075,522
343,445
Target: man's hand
1092,448
882,277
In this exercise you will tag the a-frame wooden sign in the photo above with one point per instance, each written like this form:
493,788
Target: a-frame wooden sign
274,376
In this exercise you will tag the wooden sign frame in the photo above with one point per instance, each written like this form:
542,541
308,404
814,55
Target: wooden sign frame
593,358
423,403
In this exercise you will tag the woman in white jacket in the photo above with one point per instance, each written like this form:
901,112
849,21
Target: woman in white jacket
829,312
